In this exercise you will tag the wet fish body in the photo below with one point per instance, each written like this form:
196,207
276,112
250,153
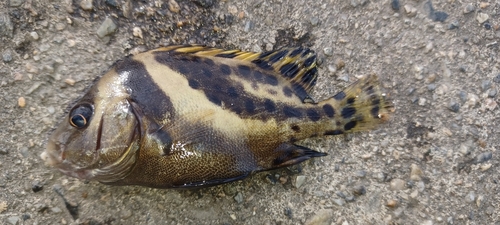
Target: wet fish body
191,116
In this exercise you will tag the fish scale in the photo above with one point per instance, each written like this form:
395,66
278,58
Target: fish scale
192,116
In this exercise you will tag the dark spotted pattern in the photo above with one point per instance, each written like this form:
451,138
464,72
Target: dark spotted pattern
333,132
309,61
223,91
263,64
296,52
348,112
374,111
329,111
227,55
278,56
350,100
287,91
145,92
313,115
350,125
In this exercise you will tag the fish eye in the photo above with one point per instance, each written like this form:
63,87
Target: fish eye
80,115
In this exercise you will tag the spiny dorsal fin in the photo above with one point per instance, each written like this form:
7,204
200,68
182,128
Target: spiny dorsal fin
296,65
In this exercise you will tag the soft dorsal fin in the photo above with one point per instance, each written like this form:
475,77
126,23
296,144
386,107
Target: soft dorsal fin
296,65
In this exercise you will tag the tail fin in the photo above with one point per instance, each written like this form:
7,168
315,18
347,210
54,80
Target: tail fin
361,106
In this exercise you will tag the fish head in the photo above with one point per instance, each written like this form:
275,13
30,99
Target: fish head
100,136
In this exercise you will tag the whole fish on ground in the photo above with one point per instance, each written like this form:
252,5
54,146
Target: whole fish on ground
191,116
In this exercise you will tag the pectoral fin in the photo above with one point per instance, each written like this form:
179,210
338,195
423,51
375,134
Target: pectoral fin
289,154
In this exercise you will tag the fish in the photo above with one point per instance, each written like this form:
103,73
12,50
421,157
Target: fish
190,116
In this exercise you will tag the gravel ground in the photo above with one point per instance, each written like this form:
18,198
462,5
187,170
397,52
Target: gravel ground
435,162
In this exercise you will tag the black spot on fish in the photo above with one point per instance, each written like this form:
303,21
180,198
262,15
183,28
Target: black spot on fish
232,92
226,55
313,115
272,92
350,125
370,90
209,62
289,70
375,111
249,106
339,96
287,91
207,72
309,76
350,100
193,84
258,75
269,105
214,98
376,102
296,128
144,91
329,111
300,91
225,69
291,112
295,52
309,61
348,112
270,79
278,56
244,70
333,132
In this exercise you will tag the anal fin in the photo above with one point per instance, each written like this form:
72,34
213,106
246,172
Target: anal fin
290,154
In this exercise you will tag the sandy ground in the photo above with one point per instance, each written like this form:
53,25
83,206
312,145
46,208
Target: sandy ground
435,162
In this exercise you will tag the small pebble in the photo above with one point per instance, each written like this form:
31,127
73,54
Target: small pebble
328,51
440,16
3,151
397,184
415,172
485,167
339,201
248,26
483,5
469,8
395,5
56,210
359,190
492,93
238,198
107,27
392,203
86,5
497,78
410,10
360,173
482,17
13,220
490,104
137,32
485,85
483,157
70,81
7,56
6,26
288,213
454,106
454,25
314,21
173,6
111,3
463,96
36,186
299,181
21,102
470,197
34,35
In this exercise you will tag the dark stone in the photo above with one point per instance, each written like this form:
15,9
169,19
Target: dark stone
36,186
204,3
395,5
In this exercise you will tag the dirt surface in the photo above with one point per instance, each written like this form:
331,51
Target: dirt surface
435,162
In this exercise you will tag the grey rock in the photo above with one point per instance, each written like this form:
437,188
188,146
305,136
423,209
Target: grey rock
454,106
299,181
454,25
86,5
482,17
314,20
6,26
359,190
339,201
492,93
238,198
328,51
111,3
248,26
463,96
397,184
15,3
497,78
13,220
395,5
360,173
469,8
483,157
7,56
55,210
470,197
438,16
485,85
107,27
431,87
4,151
